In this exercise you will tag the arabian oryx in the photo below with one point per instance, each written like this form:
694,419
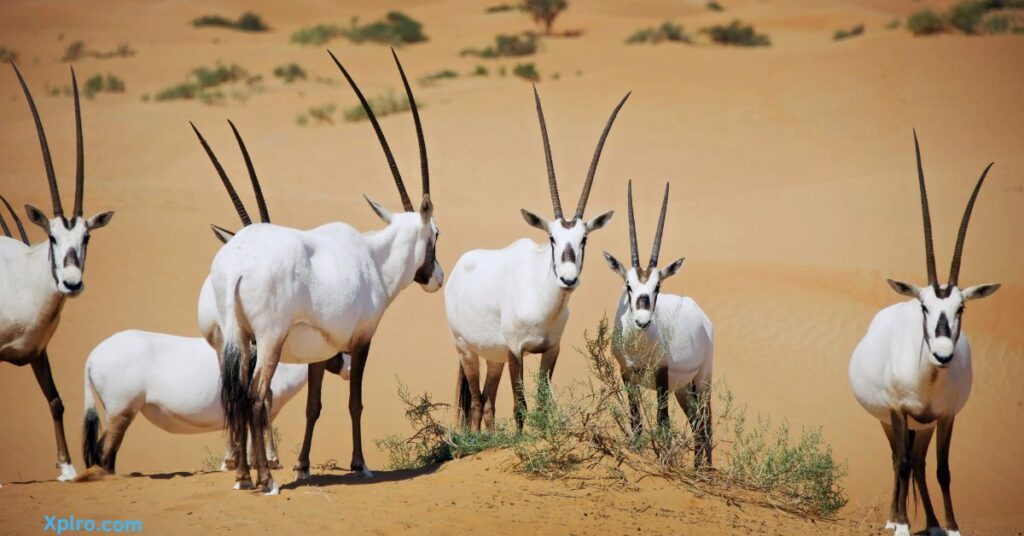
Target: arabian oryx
306,296
36,280
173,381
912,371
663,340
502,304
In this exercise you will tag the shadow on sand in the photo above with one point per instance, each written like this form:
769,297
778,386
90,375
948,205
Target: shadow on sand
355,479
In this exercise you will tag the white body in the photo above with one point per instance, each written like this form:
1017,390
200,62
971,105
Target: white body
891,369
506,301
682,333
31,302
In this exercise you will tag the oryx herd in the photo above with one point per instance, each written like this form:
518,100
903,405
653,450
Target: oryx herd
282,306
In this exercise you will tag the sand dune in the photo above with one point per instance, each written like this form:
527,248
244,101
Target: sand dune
793,198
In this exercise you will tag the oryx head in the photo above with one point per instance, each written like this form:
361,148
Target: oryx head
429,274
942,306
643,284
68,236
568,237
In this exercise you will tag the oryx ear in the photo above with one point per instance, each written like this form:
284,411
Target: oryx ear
37,217
534,220
614,264
599,221
426,208
221,233
671,269
980,291
99,220
382,212
905,289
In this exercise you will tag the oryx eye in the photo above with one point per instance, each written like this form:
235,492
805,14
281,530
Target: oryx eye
584,242
552,240
629,288
924,309
86,240
53,240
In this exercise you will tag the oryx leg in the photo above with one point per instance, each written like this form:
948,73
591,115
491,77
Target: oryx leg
901,467
313,406
548,361
661,383
942,472
242,479
922,439
116,428
44,376
469,384
355,408
515,370
696,403
259,419
633,393
494,371
230,455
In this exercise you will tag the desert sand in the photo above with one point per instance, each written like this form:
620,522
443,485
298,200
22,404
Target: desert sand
793,198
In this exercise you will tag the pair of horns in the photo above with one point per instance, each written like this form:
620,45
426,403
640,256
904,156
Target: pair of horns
656,248
424,168
954,271
239,207
552,182
17,222
58,209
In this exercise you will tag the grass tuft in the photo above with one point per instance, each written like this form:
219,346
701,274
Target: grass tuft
247,22
505,45
714,6
290,72
7,54
396,29
526,71
203,84
435,77
737,34
855,31
667,31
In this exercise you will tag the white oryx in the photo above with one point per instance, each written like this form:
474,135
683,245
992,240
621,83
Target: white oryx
36,280
173,381
912,371
502,304
306,296
663,339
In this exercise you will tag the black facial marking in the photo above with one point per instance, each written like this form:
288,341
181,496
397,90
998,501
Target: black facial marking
568,255
643,303
942,329
71,259
426,270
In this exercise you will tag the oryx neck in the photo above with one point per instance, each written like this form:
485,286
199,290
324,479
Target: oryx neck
395,254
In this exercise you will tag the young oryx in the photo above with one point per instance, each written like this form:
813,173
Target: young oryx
665,334
305,296
174,381
36,280
502,304
912,371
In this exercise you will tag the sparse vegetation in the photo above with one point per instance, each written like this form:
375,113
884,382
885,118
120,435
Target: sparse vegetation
505,45
479,71
204,81
316,35
318,115
502,8
433,78
714,6
587,427
103,84
7,54
737,34
396,29
290,72
247,22
846,34
544,12
526,71
972,17
925,22
383,105
893,24
210,462
966,16
76,50
657,34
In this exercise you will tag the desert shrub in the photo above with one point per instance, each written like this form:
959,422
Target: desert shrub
893,24
74,51
544,12
435,77
210,461
316,35
396,29
996,25
656,34
247,22
714,6
925,22
479,71
290,72
506,45
383,105
7,54
102,84
202,81
966,16
737,34
501,8
526,71
839,35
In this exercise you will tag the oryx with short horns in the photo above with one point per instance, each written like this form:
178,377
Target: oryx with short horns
912,371
306,296
36,280
663,341
503,304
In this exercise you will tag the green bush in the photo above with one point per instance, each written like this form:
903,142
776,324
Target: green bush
966,16
202,81
656,34
846,34
247,22
433,78
382,105
505,45
396,29
526,71
316,35
7,54
502,8
102,84
737,34
714,6
73,51
290,72
544,12
479,71
925,22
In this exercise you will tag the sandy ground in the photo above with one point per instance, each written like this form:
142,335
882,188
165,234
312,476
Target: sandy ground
794,196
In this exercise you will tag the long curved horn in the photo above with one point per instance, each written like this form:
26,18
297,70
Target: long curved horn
224,179
58,210
929,249
556,203
406,204
954,271
261,204
79,150
656,248
424,168
634,253
597,156
17,221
